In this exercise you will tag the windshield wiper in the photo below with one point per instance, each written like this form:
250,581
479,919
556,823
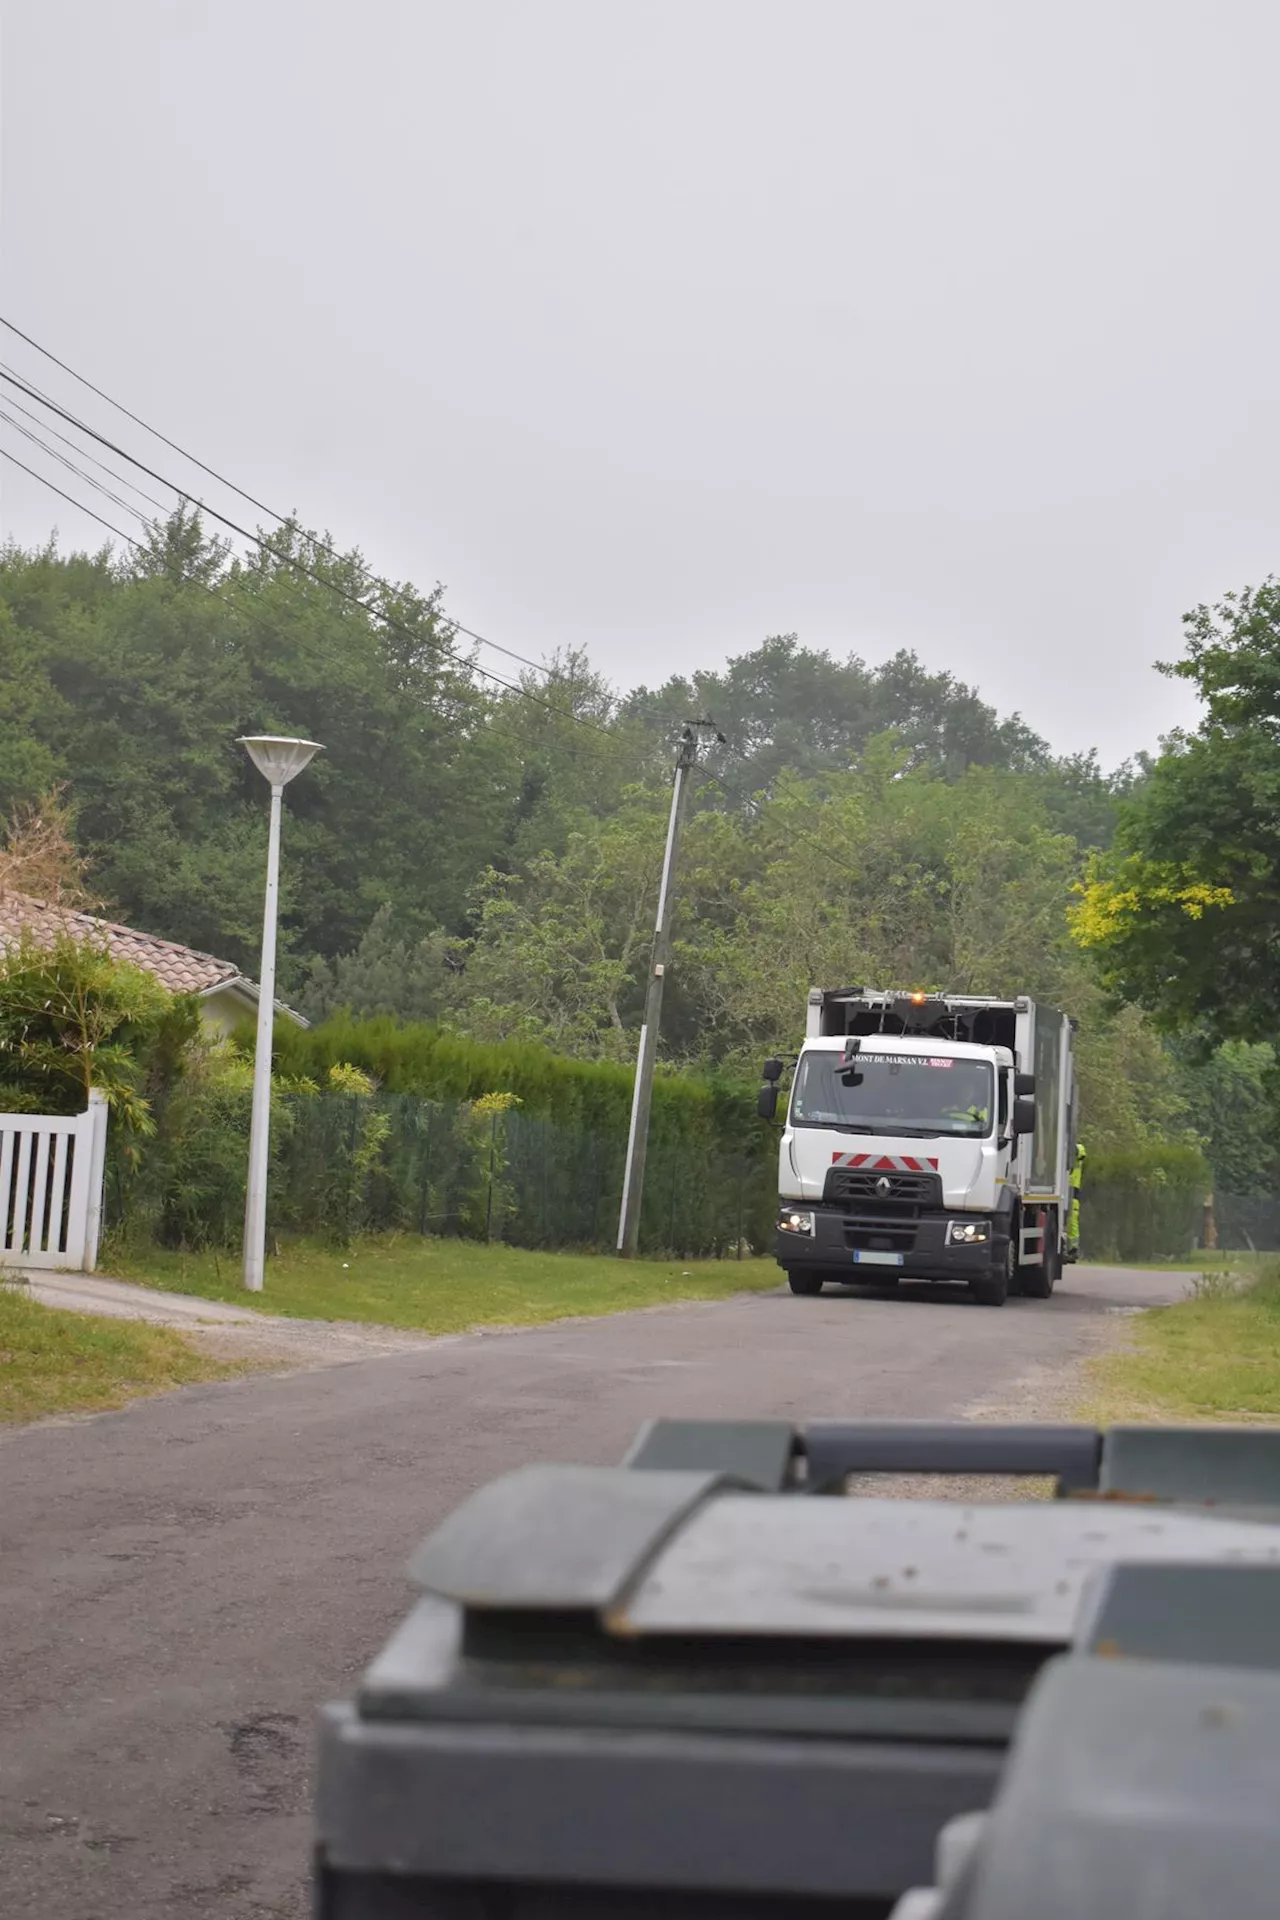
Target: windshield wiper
858,1126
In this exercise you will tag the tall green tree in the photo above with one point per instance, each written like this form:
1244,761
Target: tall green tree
789,710
1183,917
565,753
784,708
388,972
1233,1102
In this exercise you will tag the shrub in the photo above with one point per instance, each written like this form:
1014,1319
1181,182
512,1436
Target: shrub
72,1019
585,1095
1143,1203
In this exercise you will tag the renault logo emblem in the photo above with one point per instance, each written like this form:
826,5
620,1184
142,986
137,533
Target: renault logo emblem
884,1184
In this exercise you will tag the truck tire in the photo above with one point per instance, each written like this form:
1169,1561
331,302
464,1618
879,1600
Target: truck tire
804,1280
1039,1281
994,1288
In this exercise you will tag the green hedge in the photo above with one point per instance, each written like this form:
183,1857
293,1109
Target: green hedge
429,1151
1146,1203
345,1164
586,1096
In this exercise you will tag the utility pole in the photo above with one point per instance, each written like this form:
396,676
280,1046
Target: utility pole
646,1058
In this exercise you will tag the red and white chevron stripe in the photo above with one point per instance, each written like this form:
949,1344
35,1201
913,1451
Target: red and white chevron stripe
885,1162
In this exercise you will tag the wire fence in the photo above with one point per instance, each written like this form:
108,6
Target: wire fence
1247,1222
1131,1219
346,1164
343,1164
1128,1219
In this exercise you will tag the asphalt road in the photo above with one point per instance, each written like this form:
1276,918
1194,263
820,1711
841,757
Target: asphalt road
183,1582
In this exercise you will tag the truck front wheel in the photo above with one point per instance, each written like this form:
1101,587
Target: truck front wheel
994,1288
804,1280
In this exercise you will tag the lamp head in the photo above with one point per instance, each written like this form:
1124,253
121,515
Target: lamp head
278,759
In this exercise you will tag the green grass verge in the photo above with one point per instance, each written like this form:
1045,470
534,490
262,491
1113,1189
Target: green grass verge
443,1286
77,1363
1214,1357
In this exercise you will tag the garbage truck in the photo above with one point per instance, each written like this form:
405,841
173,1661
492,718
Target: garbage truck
927,1136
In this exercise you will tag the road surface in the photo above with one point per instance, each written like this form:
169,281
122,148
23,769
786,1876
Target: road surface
183,1582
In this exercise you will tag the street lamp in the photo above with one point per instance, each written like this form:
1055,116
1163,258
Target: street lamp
278,761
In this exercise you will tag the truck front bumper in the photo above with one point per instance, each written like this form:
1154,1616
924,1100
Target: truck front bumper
845,1246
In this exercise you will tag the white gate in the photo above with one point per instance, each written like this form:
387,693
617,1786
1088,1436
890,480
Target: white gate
51,1175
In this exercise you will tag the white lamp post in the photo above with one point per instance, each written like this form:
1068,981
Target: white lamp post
278,761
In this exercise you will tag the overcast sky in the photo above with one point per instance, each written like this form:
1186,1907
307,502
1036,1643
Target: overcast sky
656,327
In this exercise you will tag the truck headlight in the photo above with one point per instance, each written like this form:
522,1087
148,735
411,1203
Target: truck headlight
968,1233
791,1220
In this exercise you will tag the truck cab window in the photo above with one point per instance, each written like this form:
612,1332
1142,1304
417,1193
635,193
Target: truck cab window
909,1095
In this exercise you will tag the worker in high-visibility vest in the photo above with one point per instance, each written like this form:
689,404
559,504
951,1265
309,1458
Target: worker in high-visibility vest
1073,1215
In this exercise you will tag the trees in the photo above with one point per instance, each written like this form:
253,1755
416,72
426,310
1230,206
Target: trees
789,710
564,754
486,859
558,950
1184,916
879,874
131,682
884,877
386,973
37,856
1232,1104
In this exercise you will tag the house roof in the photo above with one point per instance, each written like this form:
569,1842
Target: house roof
177,968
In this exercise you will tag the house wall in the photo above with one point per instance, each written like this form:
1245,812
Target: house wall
226,1009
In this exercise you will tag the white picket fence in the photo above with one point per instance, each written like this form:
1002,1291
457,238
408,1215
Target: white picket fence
51,1178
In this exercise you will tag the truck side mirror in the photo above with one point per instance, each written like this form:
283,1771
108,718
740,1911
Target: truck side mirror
767,1101
1024,1083
1024,1114
772,1069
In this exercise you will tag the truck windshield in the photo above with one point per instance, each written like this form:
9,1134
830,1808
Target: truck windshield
910,1094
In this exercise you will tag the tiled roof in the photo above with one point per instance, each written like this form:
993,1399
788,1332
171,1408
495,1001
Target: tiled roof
180,969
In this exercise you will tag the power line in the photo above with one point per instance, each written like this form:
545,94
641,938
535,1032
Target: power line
282,519
71,465
510,686
494,720
75,447
333,586
77,504
217,592
153,431
322,545
792,834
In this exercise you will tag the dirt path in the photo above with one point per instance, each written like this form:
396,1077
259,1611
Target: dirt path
271,1341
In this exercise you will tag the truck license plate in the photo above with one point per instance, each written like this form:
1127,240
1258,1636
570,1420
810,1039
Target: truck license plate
877,1259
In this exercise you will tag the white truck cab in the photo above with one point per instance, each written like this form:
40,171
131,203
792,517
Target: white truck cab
929,1137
